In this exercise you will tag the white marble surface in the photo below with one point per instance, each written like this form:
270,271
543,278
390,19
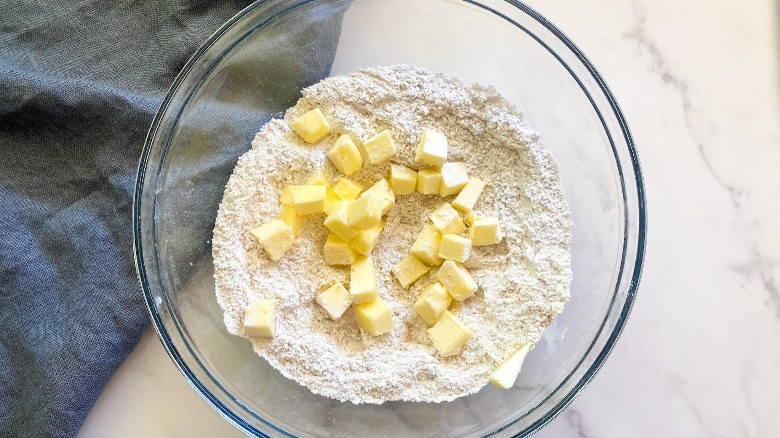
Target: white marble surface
699,83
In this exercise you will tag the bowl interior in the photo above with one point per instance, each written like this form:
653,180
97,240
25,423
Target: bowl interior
232,85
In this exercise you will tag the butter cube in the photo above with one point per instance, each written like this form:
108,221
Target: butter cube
454,247
347,189
275,237
338,252
426,246
308,199
447,220
260,319
432,302
335,300
364,212
285,197
338,222
432,148
469,217
409,270
468,196
449,334
289,215
362,280
366,240
312,126
374,317
457,280
403,180
428,181
505,375
453,178
380,147
345,155
485,231
382,192
318,179
332,200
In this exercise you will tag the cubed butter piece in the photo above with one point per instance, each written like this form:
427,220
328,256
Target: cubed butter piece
505,375
338,252
338,222
308,199
457,280
453,178
468,196
362,280
432,148
260,319
380,147
289,215
364,212
428,181
332,200
312,126
275,237
485,231
318,179
409,270
366,240
447,220
426,246
335,300
347,189
403,180
469,217
454,247
449,334
374,317
432,302
345,155
285,198
382,192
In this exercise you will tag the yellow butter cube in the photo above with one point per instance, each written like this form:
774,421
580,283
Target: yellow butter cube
426,246
432,148
428,181
362,280
308,199
432,302
409,270
374,317
335,300
275,237
260,319
468,195
289,215
457,280
449,334
447,220
469,217
332,200
345,155
453,178
505,375
312,126
347,189
380,147
382,192
366,240
364,212
485,231
338,222
454,247
318,179
338,252
403,180
285,197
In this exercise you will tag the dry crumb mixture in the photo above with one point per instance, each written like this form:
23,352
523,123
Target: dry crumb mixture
523,281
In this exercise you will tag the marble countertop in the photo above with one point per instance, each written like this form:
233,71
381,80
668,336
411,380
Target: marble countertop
699,84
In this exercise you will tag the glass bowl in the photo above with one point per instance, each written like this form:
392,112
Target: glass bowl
239,77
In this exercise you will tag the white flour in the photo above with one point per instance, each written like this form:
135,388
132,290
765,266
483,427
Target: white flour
523,282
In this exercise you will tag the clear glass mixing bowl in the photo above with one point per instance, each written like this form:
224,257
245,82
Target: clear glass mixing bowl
212,112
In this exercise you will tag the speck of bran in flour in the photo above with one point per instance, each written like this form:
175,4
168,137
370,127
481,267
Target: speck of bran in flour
523,282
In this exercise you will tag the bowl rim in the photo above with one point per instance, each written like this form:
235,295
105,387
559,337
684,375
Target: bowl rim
641,201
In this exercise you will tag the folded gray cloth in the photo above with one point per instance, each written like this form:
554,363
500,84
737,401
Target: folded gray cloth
79,84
